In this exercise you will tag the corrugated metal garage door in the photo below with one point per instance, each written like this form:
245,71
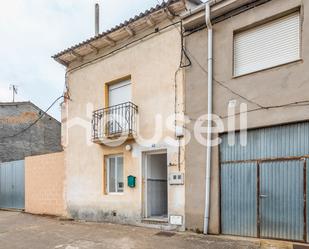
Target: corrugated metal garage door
12,185
263,184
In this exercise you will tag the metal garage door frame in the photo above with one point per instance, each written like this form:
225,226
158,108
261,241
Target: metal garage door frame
302,205
258,163
12,185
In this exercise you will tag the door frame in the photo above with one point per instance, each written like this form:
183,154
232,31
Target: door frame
14,185
259,162
145,155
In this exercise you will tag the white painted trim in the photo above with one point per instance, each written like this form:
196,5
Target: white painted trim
144,167
116,174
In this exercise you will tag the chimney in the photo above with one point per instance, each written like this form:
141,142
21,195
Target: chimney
97,19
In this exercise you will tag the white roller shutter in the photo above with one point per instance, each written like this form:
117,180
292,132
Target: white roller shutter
268,45
120,93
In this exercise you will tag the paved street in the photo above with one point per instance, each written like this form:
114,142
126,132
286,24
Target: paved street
19,230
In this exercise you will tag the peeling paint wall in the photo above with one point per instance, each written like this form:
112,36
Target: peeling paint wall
43,137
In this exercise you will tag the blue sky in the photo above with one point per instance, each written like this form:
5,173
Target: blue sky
31,31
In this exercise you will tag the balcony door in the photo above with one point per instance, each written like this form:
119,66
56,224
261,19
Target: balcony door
119,95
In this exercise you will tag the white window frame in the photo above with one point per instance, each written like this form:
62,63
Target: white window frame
117,190
115,86
236,33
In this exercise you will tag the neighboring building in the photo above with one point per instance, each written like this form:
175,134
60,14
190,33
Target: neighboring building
17,141
127,76
24,131
261,58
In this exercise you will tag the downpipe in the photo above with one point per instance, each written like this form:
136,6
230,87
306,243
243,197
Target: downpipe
209,121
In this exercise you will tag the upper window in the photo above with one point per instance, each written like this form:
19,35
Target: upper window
114,174
119,93
272,44
119,113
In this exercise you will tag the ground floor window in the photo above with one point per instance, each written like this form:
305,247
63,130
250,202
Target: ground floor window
114,174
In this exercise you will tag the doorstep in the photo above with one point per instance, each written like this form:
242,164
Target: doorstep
160,223
155,220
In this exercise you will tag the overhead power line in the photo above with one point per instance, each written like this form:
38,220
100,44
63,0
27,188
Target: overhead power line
296,103
37,120
187,54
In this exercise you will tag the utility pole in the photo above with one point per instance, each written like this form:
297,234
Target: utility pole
13,88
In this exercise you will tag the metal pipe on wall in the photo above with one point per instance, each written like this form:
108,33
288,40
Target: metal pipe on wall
209,121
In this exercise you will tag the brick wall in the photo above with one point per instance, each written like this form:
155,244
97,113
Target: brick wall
44,184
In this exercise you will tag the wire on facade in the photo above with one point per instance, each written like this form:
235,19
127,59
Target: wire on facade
186,52
188,55
304,102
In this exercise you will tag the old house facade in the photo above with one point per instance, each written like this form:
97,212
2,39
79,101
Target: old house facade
260,63
123,162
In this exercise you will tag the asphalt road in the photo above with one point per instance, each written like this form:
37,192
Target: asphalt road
20,230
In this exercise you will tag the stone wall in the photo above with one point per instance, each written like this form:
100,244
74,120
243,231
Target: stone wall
43,137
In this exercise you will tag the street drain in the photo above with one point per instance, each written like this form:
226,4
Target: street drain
165,234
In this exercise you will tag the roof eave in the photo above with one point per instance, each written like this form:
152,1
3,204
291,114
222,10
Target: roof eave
124,25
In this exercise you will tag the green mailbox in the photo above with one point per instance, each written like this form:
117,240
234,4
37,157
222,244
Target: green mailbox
131,181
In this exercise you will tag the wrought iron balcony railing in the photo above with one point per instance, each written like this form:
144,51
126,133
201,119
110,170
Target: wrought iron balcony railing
114,121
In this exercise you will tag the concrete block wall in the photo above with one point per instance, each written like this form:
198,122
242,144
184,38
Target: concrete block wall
43,137
44,184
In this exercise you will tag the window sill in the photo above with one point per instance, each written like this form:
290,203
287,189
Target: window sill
114,194
266,69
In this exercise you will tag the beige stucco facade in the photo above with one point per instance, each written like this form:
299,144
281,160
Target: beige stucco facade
151,64
44,184
272,87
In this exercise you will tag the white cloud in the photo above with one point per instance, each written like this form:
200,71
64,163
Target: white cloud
31,31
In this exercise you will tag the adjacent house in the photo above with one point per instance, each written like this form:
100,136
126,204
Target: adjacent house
25,130
124,162
18,139
260,59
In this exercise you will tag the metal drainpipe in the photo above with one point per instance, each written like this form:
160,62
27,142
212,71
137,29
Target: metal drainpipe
209,122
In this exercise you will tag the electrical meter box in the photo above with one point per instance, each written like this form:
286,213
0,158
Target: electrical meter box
176,220
177,179
131,181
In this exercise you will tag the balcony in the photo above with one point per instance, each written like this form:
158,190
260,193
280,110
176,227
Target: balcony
113,122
